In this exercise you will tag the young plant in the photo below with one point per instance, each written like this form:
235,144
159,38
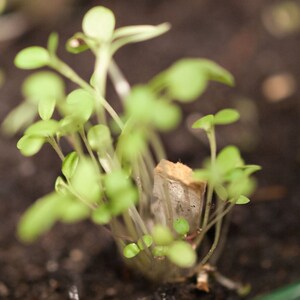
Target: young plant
108,176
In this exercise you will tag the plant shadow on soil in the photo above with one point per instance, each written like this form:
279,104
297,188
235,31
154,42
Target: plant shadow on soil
263,246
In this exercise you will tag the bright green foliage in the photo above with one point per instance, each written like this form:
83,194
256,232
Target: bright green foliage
226,116
181,226
80,105
134,34
120,190
40,217
107,176
187,79
32,58
205,123
43,128
30,145
69,164
99,23
19,118
181,254
101,215
86,181
41,86
145,241
99,137
223,117
162,235
131,250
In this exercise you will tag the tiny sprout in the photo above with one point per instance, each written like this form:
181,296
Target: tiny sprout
131,250
181,226
162,236
182,254
146,240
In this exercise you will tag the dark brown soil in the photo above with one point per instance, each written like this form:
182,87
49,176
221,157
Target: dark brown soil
263,247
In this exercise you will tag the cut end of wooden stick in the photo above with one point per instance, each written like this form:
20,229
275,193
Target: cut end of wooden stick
177,194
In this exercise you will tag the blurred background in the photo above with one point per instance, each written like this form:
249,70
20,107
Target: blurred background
258,41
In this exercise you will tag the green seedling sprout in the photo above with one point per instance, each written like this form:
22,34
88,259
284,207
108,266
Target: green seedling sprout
108,175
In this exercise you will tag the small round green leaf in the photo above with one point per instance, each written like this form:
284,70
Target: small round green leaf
101,215
181,226
226,116
86,181
46,108
182,254
131,250
242,200
42,86
162,236
32,58
228,159
43,128
30,145
74,211
99,23
40,217
69,164
99,137
166,116
185,80
205,123
80,105
146,240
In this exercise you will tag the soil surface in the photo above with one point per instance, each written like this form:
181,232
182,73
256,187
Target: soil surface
263,248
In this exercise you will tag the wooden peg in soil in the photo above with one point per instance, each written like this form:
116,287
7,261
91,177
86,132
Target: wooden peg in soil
176,194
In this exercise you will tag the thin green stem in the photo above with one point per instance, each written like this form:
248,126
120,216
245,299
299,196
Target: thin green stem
213,150
56,147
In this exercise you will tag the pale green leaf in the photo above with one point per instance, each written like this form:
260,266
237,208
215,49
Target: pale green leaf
131,250
145,240
69,164
46,108
86,181
30,145
123,200
215,72
181,226
226,116
40,217
185,81
228,159
80,105
99,23
43,86
134,34
43,128
74,211
166,116
101,215
162,236
242,200
205,123
99,137
32,58
160,251
19,118
182,254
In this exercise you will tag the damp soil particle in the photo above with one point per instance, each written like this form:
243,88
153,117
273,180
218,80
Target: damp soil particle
263,249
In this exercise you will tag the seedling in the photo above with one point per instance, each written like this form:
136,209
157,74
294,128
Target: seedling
108,175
